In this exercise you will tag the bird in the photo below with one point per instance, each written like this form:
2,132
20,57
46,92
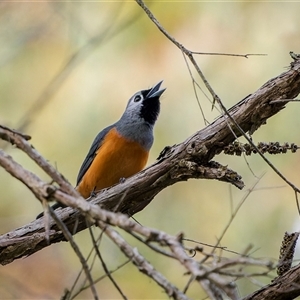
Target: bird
121,150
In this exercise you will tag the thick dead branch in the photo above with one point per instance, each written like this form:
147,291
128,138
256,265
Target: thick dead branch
190,159
285,287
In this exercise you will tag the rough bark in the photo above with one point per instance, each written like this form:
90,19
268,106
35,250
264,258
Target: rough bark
190,159
284,287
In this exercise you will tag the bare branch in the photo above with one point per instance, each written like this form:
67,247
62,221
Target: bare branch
107,272
229,54
285,287
76,249
141,263
232,121
190,159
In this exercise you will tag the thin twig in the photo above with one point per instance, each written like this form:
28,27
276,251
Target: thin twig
194,82
101,278
234,213
187,52
80,272
76,249
229,54
214,95
107,272
156,249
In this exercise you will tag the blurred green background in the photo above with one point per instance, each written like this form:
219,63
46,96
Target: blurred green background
67,71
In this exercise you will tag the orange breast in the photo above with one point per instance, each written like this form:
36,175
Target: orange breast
116,158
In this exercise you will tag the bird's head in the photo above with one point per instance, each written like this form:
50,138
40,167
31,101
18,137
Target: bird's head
145,105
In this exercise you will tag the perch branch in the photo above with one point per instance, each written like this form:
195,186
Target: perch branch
190,159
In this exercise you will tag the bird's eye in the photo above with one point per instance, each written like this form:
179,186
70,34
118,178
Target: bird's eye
137,98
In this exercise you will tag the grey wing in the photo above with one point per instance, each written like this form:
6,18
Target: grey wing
92,152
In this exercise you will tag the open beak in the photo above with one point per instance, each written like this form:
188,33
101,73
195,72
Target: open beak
155,91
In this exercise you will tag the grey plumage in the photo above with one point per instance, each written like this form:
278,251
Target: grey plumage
136,124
